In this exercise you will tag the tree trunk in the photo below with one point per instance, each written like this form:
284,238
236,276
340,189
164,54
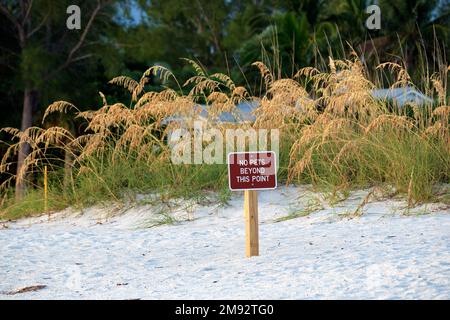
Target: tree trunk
29,99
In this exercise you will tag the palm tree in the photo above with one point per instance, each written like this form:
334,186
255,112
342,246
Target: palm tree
411,30
413,26
292,39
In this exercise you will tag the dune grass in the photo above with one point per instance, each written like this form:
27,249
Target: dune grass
333,134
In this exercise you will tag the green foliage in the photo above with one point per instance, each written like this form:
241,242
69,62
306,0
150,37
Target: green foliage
226,36
32,205
123,176
408,163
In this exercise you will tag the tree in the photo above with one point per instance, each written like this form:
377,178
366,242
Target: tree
192,28
46,48
292,38
409,29
414,26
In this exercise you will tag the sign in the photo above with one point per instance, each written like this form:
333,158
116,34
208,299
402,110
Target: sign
252,170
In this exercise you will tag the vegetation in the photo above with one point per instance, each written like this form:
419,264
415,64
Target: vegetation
342,138
316,67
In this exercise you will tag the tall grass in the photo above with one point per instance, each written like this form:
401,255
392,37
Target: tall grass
334,134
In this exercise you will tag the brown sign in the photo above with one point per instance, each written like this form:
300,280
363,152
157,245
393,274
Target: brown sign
252,170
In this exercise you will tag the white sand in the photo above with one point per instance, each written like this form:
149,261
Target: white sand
385,254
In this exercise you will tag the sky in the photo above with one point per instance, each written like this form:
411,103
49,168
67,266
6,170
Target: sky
135,17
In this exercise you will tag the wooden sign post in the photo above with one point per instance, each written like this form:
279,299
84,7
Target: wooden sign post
45,190
251,223
252,171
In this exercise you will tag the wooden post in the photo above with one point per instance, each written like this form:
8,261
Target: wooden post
251,223
45,190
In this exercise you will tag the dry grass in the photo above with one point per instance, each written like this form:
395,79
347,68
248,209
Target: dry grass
332,129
